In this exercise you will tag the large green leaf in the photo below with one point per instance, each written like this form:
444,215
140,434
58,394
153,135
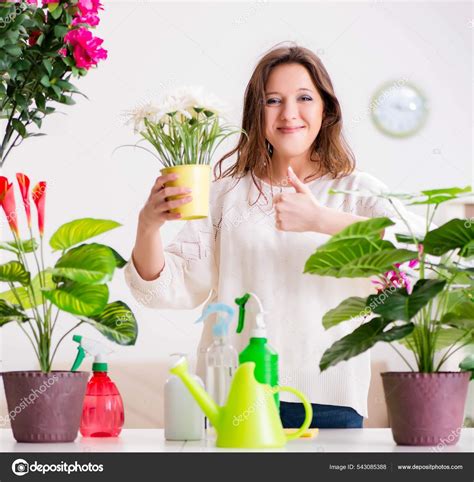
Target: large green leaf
28,246
363,229
80,299
350,260
407,239
23,294
80,230
117,322
88,263
399,305
457,233
361,339
438,196
120,262
352,307
14,271
9,312
448,336
468,365
461,316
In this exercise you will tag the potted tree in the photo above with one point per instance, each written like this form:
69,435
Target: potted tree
432,317
184,128
46,405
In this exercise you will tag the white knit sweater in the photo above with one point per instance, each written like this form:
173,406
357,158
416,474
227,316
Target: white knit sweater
237,249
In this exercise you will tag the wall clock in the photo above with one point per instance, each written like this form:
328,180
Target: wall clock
399,109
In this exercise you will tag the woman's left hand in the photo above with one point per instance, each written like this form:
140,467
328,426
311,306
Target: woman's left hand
296,211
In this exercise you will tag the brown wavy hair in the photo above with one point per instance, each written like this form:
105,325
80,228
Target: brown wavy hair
330,151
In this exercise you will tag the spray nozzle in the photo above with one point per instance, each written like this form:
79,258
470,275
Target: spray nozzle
260,329
91,347
222,325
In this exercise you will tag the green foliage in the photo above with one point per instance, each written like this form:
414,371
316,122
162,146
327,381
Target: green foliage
437,315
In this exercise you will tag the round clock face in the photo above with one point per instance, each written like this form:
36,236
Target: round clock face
399,110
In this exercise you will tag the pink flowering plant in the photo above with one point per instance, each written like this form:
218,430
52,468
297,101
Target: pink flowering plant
42,46
425,285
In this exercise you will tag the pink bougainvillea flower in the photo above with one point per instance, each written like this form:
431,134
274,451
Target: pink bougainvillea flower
39,197
86,48
32,2
7,200
62,52
88,12
90,6
24,184
88,18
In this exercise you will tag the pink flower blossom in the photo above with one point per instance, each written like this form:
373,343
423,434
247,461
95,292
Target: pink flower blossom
88,18
86,48
90,6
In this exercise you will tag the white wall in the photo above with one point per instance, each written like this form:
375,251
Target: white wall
155,45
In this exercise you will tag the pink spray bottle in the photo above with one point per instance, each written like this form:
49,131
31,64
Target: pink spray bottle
102,412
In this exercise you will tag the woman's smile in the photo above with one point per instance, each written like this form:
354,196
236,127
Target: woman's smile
290,130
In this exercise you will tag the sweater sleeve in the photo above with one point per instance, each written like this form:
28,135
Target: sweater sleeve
189,274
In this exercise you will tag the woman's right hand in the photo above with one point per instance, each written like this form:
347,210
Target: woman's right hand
156,210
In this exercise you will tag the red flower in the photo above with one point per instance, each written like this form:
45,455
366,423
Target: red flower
24,184
7,200
34,37
39,195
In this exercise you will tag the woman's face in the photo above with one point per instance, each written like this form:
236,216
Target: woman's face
293,110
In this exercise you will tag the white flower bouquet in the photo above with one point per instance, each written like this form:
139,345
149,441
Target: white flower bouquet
184,128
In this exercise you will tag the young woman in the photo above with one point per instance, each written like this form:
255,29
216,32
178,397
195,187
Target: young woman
270,210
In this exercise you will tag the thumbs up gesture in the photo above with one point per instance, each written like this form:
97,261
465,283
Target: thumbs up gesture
296,211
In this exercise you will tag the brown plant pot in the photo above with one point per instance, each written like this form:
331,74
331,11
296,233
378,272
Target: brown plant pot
45,407
425,408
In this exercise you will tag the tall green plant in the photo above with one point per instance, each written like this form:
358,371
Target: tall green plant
76,284
435,315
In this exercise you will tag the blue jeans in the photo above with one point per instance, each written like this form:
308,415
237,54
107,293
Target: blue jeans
324,416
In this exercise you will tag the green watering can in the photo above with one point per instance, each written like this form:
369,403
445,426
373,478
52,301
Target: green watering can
250,418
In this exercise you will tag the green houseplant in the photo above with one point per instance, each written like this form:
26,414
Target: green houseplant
184,129
432,317
42,47
77,285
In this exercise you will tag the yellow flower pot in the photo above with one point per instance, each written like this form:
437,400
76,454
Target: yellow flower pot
198,178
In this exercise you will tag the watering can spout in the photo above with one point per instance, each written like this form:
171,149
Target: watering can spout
208,406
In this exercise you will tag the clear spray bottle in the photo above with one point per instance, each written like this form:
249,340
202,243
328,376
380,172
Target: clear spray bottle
221,356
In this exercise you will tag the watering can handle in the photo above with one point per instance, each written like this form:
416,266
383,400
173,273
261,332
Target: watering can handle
307,408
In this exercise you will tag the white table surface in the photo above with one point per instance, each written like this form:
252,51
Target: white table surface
152,440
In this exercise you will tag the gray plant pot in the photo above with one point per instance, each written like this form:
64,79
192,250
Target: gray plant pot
45,407
425,408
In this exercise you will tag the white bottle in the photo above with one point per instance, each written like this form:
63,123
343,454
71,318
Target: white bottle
184,419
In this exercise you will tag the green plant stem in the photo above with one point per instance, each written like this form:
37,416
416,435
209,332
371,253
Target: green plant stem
403,358
55,319
62,338
15,293
29,338
447,355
